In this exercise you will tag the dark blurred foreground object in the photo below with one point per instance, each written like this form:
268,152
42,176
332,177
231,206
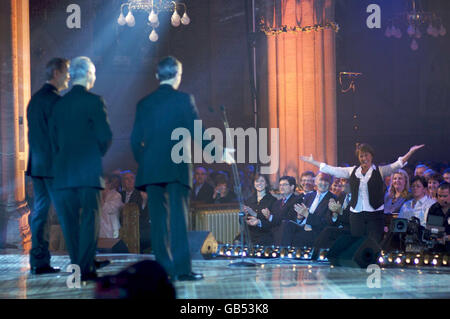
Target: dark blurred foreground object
145,279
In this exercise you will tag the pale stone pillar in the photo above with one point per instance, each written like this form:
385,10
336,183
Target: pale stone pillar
15,93
301,83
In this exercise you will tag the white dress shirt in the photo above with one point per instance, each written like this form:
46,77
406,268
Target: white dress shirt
420,209
363,203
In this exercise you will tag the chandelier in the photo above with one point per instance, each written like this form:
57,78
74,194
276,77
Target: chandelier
153,8
418,22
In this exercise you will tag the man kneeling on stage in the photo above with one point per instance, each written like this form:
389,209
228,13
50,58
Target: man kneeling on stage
318,210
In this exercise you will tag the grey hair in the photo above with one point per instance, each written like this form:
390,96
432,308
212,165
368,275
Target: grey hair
79,67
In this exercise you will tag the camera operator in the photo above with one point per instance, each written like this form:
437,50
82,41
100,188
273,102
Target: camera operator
441,209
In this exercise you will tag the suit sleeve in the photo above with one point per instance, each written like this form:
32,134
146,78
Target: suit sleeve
137,135
102,128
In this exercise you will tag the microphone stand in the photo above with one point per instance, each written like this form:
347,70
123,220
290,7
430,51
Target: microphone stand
238,191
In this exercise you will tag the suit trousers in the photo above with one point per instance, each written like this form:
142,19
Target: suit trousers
79,209
370,224
43,196
168,205
295,235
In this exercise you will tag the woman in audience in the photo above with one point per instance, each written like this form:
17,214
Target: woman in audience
111,206
433,183
222,192
397,194
261,199
419,204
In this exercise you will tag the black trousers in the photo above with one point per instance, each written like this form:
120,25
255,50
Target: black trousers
43,197
168,206
292,234
370,224
79,211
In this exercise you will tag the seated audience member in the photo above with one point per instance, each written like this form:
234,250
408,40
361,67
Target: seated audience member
111,206
307,182
282,209
260,199
442,209
420,169
420,203
397,193
222,192
433,182
318,210
116,182
337,188
387,181
131,195
428,173
446,175
202,190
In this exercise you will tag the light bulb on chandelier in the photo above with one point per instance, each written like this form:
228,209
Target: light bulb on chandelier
153,36
175,19
130,19
185,19
153,17
121,20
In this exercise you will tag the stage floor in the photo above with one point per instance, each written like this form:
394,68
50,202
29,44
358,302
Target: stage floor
270,279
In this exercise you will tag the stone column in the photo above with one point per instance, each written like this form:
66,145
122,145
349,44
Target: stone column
14,97
302,82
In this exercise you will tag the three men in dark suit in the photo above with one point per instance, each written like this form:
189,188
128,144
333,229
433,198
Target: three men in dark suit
81,136
157,116
39,166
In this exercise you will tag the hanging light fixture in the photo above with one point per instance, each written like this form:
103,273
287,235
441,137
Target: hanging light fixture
154,7
418,22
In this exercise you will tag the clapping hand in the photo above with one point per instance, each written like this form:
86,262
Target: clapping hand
266,212
252,221
334,206
302,210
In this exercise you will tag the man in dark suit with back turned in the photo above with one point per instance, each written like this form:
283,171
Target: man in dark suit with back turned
157,116
40,160
81,136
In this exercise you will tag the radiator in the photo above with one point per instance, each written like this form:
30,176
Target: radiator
222,223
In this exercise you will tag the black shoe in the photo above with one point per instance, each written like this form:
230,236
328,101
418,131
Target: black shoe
101,263
189,277
44,270
90,276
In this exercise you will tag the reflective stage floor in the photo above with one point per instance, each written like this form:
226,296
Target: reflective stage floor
270,279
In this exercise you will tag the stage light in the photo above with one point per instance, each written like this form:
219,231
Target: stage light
381,260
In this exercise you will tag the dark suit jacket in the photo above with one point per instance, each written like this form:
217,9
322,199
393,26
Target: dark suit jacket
157,116
322,216
282,212
258,235
204,195
81,136
39,111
